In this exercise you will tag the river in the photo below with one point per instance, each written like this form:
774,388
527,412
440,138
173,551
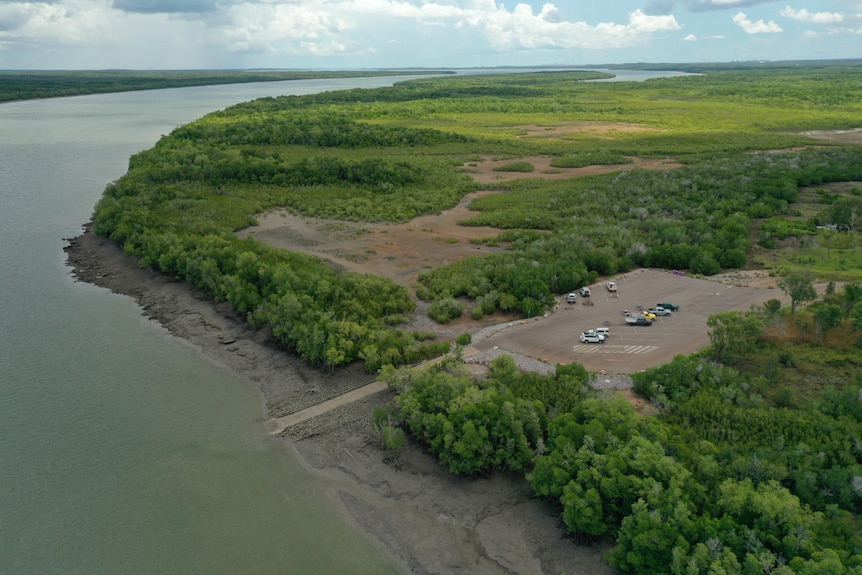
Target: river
121,451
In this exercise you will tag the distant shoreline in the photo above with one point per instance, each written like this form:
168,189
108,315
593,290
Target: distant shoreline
16,86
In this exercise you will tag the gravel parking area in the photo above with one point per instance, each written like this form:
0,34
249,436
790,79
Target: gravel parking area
554,339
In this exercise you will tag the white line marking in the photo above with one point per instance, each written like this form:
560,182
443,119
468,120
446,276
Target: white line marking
611,348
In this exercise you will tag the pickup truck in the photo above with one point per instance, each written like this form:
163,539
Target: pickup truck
592,337
637,320
668,305
659,310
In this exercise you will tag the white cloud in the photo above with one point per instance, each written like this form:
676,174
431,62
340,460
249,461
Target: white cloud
843,30
285,28
812,17
61,22
273,27
759,27
383,33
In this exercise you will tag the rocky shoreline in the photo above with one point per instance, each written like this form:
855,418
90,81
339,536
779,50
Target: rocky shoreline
424,519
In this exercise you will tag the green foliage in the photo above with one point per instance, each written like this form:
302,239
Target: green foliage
772,306
685,376
516,167
799,285
589,159
470,428
445,310
732,334
384,422
464,339
845,213
826,318
52,84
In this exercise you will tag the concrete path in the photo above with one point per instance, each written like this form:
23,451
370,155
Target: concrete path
279,425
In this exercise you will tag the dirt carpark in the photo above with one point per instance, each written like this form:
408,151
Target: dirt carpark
555,337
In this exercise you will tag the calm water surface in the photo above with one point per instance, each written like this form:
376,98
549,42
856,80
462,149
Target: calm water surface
121,450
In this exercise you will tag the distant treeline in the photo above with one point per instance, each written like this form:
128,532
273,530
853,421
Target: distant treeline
28,85
742,65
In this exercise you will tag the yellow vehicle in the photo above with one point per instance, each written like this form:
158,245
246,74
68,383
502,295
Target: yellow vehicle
648,314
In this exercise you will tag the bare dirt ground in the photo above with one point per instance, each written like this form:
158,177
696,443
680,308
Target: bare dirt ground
850,137
484,172
396,251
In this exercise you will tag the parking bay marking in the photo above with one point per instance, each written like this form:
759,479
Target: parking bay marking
611,348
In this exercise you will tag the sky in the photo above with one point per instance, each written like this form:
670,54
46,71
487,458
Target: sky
357,34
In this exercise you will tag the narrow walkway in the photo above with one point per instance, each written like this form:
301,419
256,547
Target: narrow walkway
279,425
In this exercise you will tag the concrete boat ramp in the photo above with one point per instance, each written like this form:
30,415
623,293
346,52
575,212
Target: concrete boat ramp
279,425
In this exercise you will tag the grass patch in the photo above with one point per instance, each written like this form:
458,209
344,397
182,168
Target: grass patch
525,167
589,159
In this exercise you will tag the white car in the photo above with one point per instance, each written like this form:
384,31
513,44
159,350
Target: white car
572,298
592,337
658,310
602,331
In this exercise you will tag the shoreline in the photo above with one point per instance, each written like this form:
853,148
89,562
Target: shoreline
422,518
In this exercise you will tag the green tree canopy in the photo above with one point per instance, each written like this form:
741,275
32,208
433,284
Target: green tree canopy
732,334
799,285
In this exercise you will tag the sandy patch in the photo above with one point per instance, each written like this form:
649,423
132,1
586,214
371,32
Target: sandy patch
395,251
594,129
483,171
847,137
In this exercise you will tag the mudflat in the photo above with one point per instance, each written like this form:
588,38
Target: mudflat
425,519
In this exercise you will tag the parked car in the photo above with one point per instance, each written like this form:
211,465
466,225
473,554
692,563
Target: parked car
612,286
572,297
585,291
668,305
648,314
605,331
592,337
659,310
638,320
